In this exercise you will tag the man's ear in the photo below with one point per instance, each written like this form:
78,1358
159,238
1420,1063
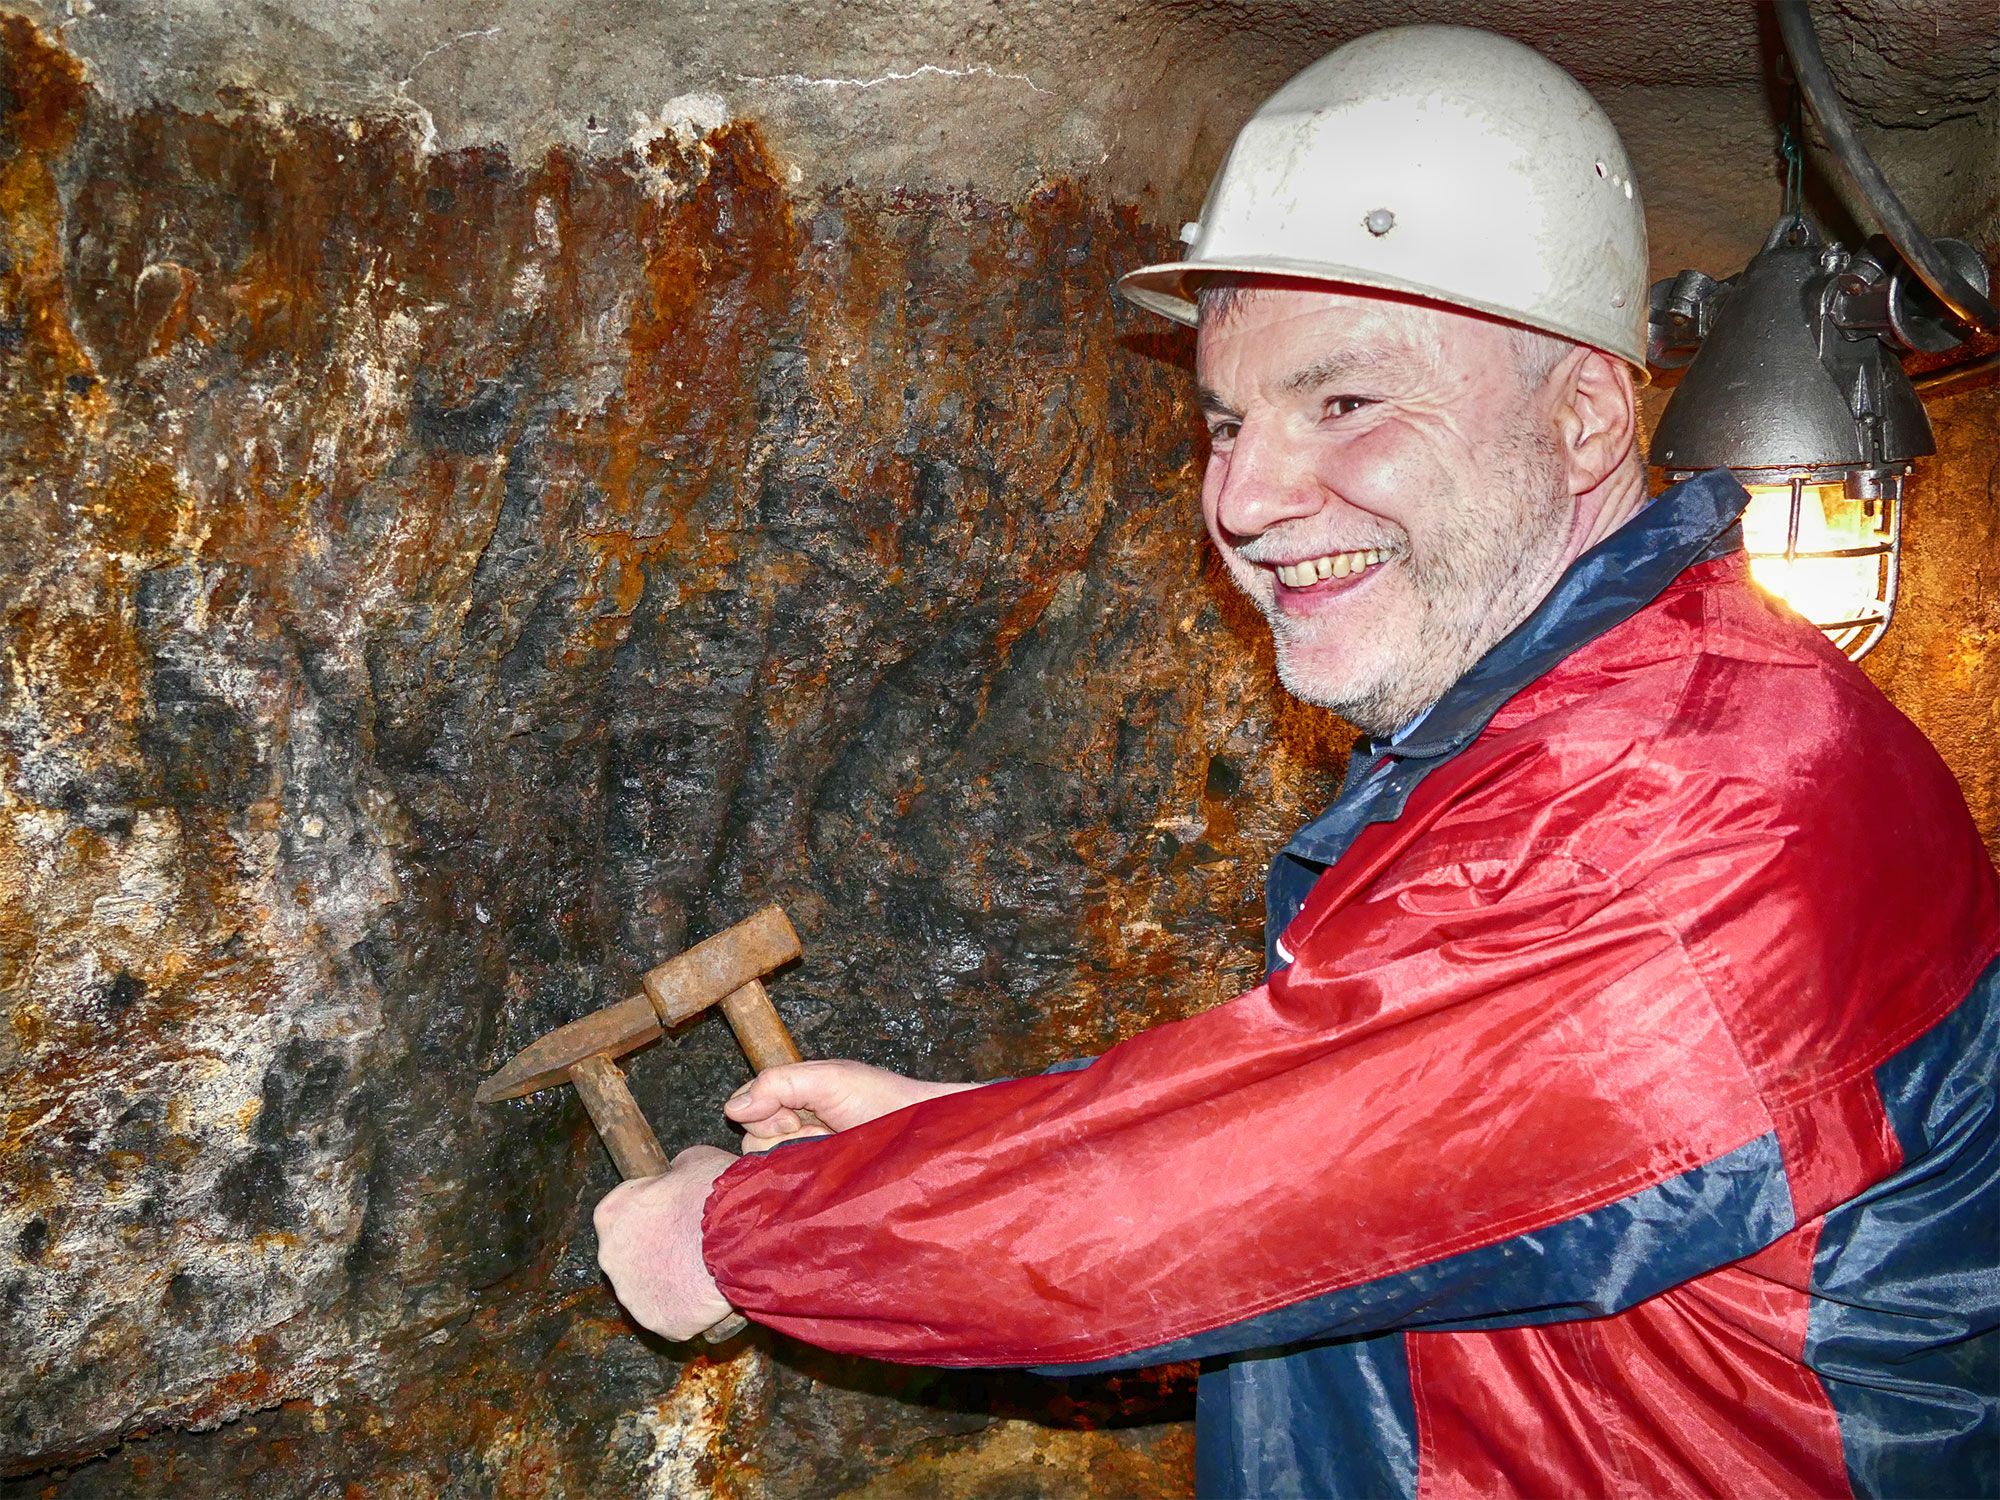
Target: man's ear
1596,417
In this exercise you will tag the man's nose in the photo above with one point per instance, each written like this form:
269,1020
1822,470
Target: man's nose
1268,481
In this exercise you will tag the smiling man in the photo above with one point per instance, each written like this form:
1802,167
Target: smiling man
1616,1115
1386,480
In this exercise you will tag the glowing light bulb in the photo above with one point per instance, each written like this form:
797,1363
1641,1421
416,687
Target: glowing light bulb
1828,555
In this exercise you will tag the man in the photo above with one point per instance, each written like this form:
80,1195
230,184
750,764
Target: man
1617,1113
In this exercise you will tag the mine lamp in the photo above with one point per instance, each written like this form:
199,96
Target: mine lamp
1794,379
1793,382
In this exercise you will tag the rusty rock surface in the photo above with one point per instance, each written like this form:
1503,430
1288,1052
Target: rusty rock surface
1940,660
1140,100
438,586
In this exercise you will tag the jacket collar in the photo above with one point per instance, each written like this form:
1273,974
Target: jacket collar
1692,522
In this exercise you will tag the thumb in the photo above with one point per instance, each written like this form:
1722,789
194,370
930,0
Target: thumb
788,1086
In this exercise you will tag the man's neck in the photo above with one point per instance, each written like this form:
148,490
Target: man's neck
1601,511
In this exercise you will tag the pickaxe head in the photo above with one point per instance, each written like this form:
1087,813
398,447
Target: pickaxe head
716,970
610,1032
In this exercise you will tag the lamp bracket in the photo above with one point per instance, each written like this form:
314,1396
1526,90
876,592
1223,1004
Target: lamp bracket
1792,361
1875,293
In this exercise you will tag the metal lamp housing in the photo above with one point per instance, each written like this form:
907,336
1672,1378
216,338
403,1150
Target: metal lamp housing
1778,383
1793,382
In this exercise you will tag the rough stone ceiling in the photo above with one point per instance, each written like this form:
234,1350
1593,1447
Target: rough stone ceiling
1900,63
1139,94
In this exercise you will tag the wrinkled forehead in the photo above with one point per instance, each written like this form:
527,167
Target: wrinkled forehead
1265,321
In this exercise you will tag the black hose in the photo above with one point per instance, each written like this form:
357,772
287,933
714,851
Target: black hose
1947,379
1809,67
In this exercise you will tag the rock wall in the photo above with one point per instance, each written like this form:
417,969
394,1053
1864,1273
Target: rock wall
438,585
438,589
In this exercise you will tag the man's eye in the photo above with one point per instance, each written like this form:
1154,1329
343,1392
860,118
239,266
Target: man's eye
1223,432
1340,406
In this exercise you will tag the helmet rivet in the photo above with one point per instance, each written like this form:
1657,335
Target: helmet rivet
1379,221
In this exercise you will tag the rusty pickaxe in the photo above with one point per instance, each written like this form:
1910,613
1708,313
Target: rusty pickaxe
726,970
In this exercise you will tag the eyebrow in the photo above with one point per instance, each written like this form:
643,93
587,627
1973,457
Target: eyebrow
1212,404
1342,366
1322,372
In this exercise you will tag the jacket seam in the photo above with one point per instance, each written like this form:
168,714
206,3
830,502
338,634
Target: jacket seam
1420,1417
1599,1195
1950,998
1700,961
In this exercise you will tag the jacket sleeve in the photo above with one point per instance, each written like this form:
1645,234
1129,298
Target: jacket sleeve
1495,1092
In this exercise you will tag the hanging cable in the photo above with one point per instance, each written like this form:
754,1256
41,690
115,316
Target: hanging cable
1790,135
1809,69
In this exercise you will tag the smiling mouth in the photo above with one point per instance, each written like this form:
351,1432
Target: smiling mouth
1314,571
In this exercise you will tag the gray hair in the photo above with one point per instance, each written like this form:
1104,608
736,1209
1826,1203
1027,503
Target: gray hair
1536,353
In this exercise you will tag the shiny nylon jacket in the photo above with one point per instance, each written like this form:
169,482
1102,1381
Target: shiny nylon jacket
1617,1115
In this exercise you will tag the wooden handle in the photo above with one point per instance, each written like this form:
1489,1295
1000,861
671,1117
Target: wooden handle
761,1030
759,1027
615,1113
631,1141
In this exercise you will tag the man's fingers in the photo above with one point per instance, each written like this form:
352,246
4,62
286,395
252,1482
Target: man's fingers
780,1121
760,1098
816,1086
837,1093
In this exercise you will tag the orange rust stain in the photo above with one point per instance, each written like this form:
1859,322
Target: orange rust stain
139,510
85,669
718,257
163,301
1054,1461
30,1025
248,1387
44,87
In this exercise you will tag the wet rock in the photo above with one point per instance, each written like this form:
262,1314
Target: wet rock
441,587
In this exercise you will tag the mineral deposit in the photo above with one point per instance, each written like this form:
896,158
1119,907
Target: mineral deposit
437,589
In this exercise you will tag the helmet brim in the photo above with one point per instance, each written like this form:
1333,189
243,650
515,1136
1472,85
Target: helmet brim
1167,289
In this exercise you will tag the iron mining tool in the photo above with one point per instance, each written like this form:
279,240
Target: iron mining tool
725,970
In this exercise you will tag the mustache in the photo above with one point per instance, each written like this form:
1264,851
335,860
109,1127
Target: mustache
1268,549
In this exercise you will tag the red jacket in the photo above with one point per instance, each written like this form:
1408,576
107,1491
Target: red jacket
1622,1122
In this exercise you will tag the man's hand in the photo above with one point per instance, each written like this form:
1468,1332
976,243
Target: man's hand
649,1244
842,1094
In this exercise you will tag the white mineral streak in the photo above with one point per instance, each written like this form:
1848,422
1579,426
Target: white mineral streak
548,226
528,286
684,1428
922,70
444,46
687,120
403,104
379,342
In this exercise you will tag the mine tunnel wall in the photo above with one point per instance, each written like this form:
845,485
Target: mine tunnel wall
438,586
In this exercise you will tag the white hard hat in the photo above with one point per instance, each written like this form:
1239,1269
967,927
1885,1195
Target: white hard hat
1441,161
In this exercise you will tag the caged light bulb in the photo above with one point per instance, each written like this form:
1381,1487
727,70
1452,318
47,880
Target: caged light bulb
1829,554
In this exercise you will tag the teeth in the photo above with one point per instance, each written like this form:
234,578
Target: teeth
1305,574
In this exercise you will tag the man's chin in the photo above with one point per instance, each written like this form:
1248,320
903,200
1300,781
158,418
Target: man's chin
1357,696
